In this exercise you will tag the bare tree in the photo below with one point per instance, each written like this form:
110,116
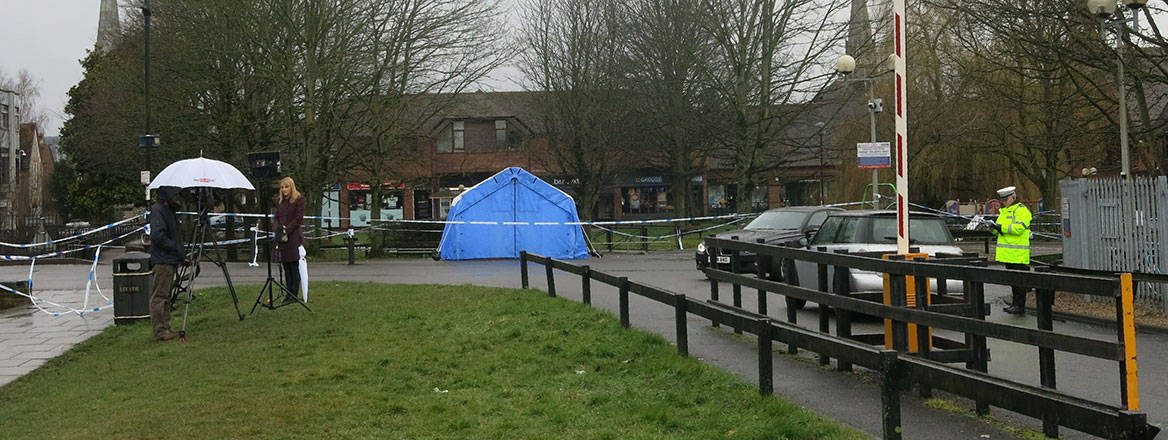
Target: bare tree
770,58
573,57
668,53
29,89
417,57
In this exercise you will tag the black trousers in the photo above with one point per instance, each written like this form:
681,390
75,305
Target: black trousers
1019,299
292,277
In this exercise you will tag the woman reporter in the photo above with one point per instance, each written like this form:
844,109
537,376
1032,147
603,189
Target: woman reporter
289,235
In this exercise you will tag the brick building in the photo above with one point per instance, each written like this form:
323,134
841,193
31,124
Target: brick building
482,133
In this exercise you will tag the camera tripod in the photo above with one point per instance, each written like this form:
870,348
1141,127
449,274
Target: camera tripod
185,274
270,285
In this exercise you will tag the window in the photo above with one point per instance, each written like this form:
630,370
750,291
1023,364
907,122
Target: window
3,116
501,134
444,141
459,136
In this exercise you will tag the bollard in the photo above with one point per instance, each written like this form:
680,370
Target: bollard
608,238
352,239
644,239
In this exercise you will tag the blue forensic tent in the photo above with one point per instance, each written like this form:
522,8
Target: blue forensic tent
509,212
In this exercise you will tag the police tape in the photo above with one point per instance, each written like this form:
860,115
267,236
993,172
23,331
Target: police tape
60,253
71,237
497,223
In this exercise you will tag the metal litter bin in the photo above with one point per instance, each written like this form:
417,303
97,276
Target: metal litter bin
133,280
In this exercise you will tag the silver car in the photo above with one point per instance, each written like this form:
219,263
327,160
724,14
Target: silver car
875,232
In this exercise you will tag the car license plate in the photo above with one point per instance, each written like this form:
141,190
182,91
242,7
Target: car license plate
723,259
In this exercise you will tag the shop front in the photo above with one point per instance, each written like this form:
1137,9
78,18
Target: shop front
361,203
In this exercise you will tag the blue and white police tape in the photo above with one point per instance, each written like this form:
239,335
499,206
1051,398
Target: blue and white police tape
61,253
675,234
458,222
71,237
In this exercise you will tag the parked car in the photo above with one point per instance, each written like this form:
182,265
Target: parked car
779,226
875,231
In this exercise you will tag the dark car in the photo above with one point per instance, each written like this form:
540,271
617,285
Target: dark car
781,226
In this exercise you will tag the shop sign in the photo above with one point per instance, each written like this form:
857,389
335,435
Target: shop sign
388,184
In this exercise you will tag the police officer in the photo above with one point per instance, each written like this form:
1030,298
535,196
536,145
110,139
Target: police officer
1013,249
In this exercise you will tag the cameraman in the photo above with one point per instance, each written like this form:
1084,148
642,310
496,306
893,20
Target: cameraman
166,253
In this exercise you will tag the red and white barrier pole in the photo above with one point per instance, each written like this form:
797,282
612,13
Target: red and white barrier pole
901,131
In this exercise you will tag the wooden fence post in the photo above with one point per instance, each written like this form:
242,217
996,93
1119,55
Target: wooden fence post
792,314
523,269
737,289
843,317
766,385
1044,299
551,280
890,394
714,297
586,284
763,263
624,302
680,306
824,319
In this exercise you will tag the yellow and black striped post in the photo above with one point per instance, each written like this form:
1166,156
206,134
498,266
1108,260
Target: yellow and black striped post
1129,382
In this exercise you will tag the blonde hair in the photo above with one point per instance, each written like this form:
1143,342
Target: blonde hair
291,184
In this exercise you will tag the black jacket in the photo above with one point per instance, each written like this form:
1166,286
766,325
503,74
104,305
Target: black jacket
166,247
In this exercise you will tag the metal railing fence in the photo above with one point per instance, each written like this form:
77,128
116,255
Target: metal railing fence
1101,233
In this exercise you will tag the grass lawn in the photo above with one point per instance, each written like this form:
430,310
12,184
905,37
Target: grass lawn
390,361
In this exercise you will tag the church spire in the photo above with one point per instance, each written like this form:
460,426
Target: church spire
108,26
860,32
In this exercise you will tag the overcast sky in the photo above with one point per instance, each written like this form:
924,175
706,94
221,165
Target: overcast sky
48,38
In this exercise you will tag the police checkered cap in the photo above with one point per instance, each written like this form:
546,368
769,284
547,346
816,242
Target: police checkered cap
1006,192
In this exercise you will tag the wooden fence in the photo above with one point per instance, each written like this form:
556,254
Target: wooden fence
896,367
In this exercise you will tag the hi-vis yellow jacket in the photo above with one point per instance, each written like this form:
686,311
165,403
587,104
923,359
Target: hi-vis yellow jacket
1014,240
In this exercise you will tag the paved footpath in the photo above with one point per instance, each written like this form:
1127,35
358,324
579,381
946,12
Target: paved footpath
28,337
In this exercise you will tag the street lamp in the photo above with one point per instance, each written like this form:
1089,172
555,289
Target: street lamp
846,65
1104,10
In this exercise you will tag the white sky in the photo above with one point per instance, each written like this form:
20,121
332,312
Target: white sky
48,38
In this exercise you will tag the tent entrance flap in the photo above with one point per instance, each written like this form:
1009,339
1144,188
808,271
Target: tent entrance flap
497,218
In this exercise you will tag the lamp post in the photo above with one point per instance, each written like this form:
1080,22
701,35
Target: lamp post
822,191
147,141
1104,10
846,65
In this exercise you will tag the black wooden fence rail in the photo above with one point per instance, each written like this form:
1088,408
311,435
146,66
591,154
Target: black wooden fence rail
894,367
974,326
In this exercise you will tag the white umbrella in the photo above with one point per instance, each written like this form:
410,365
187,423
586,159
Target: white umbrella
201,173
